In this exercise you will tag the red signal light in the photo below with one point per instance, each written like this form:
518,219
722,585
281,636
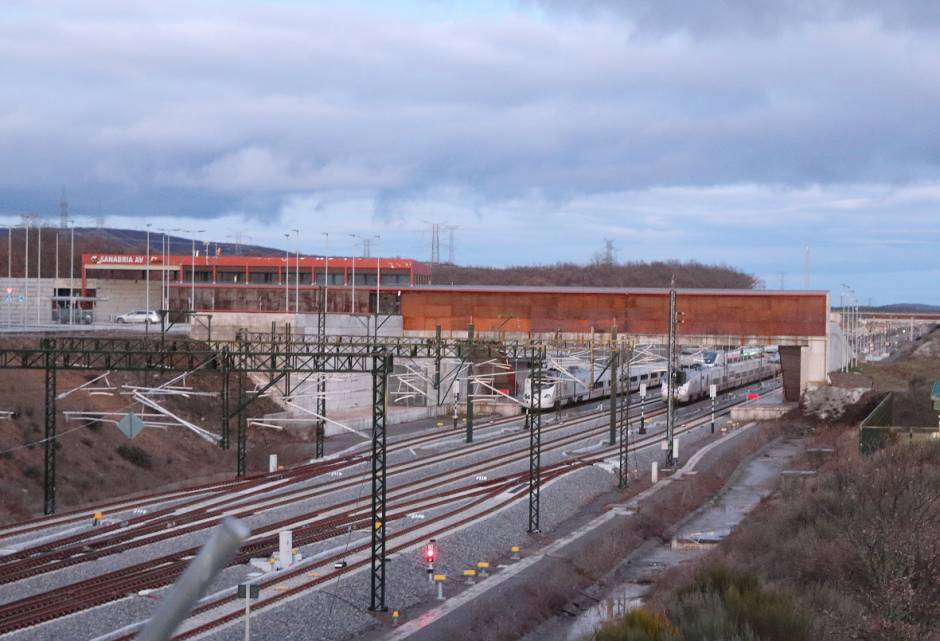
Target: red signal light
430,553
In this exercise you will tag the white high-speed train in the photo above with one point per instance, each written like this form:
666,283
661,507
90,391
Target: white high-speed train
561,387
725,371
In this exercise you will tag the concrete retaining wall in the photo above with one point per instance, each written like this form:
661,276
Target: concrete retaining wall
226,324
27,302
122,296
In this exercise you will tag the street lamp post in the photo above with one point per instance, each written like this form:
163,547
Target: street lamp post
164,277
26,277
39,273
192,269
326,272
71,270
352,296
286,273
378,287
297,271
147,284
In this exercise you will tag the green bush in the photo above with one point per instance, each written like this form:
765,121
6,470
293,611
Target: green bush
722,603
702,616
639,625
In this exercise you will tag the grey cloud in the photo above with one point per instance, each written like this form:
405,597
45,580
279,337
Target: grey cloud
241,107
755,18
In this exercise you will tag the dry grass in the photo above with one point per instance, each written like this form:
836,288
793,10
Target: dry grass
548,586
98,462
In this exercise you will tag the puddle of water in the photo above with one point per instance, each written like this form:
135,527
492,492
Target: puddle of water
708,527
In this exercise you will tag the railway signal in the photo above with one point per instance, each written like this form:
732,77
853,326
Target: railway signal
430,557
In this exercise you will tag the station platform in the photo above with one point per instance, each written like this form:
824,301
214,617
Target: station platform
764,408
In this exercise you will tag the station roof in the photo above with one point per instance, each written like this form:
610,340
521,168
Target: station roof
690,291
140,261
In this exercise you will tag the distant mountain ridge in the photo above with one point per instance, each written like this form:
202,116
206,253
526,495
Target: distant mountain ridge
89,240
906,307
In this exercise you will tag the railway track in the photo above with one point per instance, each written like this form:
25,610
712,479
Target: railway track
308,528
206,491
186,518
403,540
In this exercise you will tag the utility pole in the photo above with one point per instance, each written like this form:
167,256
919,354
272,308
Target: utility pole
534,424
625,357
673,375
470,383
614,386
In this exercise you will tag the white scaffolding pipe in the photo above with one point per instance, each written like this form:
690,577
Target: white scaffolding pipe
502,393
158,391
258,423
328,420
62,395
205,434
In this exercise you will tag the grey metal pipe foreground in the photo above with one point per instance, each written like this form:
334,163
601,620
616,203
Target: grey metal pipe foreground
186,592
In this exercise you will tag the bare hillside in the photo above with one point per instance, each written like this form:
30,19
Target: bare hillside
634,274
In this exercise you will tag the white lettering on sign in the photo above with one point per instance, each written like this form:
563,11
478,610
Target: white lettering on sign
122,259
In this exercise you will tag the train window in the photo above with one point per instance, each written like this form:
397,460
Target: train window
644,377
633,379
598,384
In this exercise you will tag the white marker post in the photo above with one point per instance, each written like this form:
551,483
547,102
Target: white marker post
249,591
713,392
654,472
642,408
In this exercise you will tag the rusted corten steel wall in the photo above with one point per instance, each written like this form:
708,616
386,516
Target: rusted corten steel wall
704,312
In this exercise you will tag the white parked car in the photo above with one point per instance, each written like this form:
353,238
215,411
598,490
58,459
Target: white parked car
139,316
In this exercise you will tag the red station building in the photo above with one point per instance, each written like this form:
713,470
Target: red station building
209,283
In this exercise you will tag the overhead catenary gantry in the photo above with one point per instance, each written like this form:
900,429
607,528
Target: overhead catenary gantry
241,358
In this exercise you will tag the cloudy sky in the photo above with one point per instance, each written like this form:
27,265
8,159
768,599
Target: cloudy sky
734,131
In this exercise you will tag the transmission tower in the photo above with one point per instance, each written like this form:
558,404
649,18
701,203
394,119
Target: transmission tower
450,243
806,265
63,212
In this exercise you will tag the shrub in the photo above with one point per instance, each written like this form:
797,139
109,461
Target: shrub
721,603
32,472
702,616
639,625
135,455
